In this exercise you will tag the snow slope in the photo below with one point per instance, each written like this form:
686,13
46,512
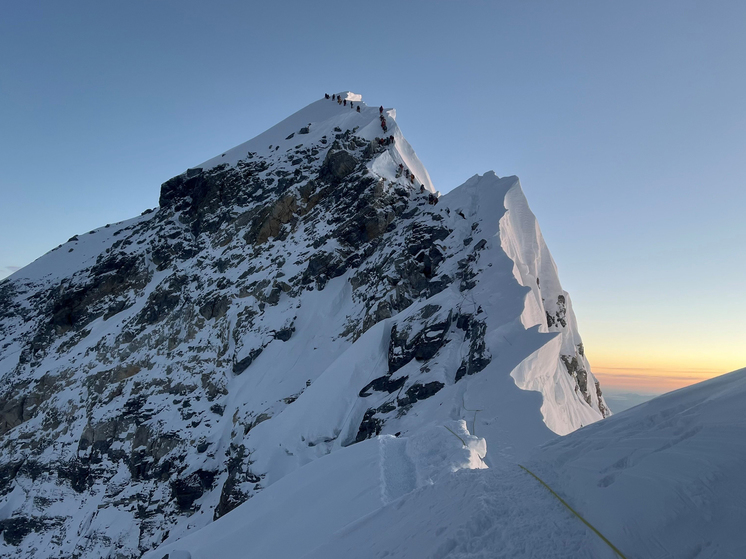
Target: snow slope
666,478
663,480
307,506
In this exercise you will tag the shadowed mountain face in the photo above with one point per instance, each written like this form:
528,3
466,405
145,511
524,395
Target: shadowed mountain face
298,294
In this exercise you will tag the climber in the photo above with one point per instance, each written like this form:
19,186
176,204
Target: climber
339,100
380,109
422,189
344,102
350,104
358,108
334,96
326,96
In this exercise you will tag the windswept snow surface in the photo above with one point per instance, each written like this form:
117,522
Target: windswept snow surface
664,480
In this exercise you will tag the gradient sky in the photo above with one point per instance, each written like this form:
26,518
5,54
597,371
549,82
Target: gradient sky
626,122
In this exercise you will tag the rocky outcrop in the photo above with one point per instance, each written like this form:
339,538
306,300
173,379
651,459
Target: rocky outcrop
337,165
578,372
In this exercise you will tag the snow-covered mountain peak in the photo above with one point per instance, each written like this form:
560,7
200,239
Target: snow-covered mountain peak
324,120
291,298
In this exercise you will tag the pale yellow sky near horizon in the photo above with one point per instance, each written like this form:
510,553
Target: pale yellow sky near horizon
649,380
635,351
656,373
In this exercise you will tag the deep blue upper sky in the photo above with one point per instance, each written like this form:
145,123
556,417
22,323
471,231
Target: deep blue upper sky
625,121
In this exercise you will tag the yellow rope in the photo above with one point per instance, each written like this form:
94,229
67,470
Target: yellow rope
572,510
455,435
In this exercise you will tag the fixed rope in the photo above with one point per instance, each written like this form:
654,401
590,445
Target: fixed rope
455,435
474,421
572,510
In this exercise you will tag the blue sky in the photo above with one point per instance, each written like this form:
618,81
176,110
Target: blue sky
626,122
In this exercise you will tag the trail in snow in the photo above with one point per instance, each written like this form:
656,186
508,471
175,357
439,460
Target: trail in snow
398,475
499,513
307,506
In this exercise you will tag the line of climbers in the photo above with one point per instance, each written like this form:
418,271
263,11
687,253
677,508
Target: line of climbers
383,119
432,199
340,101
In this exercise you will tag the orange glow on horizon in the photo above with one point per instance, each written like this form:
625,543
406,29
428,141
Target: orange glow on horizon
653,380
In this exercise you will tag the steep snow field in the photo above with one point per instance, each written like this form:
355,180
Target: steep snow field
663,480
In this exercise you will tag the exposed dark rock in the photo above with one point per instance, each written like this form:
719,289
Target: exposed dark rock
578,372
284,334
403,346
560,315
382,384
602,408
188,489
280,214
16,528
75,307
231,494
370,426
162,301
77,473
419,392
322,267
336,166
478,357
241,365
216,308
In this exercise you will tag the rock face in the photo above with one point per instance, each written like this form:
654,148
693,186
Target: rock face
295,295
